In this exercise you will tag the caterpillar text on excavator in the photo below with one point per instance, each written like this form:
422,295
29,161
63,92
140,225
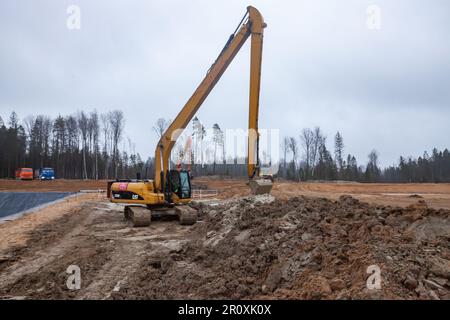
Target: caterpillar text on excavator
170,192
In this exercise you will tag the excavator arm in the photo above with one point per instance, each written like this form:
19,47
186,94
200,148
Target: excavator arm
252,25
160,198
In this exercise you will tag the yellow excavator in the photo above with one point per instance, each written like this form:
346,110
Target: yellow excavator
171,191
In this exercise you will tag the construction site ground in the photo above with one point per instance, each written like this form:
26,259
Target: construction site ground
304,241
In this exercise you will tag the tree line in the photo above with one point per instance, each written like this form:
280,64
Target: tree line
311,160
307,158
84,145
87,145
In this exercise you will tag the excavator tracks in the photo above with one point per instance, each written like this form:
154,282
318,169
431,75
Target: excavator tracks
140,216
186,215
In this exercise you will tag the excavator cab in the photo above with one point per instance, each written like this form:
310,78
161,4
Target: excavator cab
178,183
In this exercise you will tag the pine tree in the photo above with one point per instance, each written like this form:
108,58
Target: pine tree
338,151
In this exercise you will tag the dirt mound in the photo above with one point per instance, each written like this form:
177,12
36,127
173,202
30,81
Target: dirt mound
254,247
304,248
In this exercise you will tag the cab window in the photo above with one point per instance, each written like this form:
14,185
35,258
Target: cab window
184,185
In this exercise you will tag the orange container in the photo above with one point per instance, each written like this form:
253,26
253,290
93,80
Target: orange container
24,174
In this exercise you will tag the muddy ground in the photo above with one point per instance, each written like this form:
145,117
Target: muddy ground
266,247
393,194
436,195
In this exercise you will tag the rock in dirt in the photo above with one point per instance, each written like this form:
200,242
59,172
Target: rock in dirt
318,288
273,278
337,284
410,282
348,200
440,267
5,258
433,295
166,264
433,284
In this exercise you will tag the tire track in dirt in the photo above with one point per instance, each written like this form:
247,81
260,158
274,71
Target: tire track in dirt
94,237
49,251
131,248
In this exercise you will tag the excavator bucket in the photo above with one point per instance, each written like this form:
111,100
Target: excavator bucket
260,186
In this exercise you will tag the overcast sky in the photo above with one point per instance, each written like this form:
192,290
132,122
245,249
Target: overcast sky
386,88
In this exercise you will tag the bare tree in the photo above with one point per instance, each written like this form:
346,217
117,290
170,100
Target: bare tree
83,124
39,140
117,123
29,123
59,144
160,126
373,158
94,131
372,171
319,141
294,149
72,144
106,138
285,150
46,134
105,128
307,141
202,138
199,134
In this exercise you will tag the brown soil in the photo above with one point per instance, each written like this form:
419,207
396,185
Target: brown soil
55,185
436,195
306,248
92,235
289,246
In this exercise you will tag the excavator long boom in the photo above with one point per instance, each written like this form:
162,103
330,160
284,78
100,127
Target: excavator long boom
251,25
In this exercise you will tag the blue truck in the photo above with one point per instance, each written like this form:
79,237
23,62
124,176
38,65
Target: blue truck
47,174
